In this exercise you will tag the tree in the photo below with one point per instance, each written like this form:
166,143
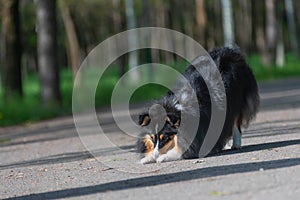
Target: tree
289,6
201,20
73,44
11,52
227,22
259,31
132,38
243,20
47,51
117,23
280,51
271,30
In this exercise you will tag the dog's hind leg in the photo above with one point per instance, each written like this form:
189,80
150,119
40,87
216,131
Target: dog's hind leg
237,138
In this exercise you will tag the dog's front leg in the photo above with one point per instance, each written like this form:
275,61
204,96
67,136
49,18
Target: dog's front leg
148,159
171,155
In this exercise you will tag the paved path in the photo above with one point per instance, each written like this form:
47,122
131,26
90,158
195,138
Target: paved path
48,161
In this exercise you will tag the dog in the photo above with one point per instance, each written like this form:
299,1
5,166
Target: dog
242,103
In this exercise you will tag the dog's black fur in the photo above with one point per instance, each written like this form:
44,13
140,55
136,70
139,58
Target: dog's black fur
241,96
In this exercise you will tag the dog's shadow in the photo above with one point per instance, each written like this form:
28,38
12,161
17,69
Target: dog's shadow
257,147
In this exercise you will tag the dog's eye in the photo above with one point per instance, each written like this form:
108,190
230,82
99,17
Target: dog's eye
153,137
163,137
173,122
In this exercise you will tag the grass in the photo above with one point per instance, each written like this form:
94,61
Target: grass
30,109
264,73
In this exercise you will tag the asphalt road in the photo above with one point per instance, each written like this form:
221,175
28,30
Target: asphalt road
47,160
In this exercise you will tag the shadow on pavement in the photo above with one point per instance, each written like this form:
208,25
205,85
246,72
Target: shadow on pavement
165,178
68,157
74,156
259,147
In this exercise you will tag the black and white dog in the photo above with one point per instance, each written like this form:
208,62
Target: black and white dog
242,101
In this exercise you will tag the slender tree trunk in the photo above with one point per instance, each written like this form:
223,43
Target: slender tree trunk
152,19
201,20
260,37
227,23
11,49
212,19
132,39
297,16
280,51
73,44
289,6
116,14
244,21
145,23
117,23
297,8
47,51
271,29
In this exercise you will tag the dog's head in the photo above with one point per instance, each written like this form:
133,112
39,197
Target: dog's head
160,141
170,121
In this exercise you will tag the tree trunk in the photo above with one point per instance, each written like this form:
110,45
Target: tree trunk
297,16
289,6
73,45
227,23
280,51
11,51
271,29
213,37
132,39
201,21
260,38
244,20
117,24
297,8
145,23
47,51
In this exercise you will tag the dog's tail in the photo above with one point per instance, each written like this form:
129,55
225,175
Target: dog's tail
232,60
251,100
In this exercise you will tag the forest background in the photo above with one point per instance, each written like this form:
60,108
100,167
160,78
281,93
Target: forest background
43,43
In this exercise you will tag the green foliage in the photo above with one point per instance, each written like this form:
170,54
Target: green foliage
30,108
262,73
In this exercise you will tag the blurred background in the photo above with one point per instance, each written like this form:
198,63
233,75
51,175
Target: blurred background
43,43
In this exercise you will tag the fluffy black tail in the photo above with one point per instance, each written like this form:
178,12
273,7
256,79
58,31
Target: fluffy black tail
251,102
231,60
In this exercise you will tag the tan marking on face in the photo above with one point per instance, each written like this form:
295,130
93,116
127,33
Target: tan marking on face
177,148
168,146
161,137
153,137
149,144
168,120
177,123
145,121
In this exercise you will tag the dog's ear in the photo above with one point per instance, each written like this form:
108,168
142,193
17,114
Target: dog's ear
173,121
144,119
177,123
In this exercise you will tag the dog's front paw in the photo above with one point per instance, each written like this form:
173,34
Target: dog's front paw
147,159
162,158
